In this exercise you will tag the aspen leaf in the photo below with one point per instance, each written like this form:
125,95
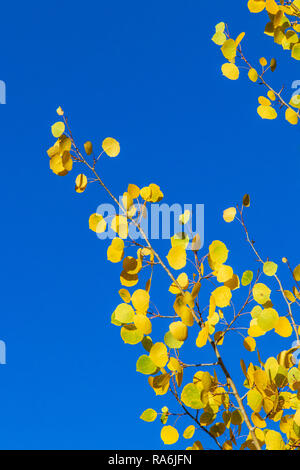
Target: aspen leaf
296,273
120,226
80,183
218,252
256,6
254,399
125,295
296,51
128,280
239,39
220,27
253,75
274,441
224,273
229,214
291,116
149,415
191,396
189,432
88,147
258,421
219,38
145,366
171,342
222,296
124,313
140,300
111,147
267,112
115,251
230,71
271,95
97,223
177,257
283,327
263,62
180,239
250,344
261,293
143,323
268,319
270,268
58,129
273,65
131,335
185,217
229,50
59,111
159,354
133,190
264,101
247,278
179,330
169,435
202,337
183,281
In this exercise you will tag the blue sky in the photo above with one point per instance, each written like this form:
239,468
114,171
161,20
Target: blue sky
147,74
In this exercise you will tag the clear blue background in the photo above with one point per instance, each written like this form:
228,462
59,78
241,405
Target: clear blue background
147,74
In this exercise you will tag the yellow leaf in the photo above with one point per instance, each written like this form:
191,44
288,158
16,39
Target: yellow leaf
271,95
97,223
230,71
256,6
177,257
239,39
88,147
264,101
222,296
254,399
159,354
169,435
296,273
270,268
283,327
225,273
179,330
124,313
267,112
80,183
229,214
202,337
140,300
250,344
143,324
189,432
253,75
229,49
133,190
185,217
261,293
111,147
291,116
263,62
218,252
115,251
58,129
274,441
125,295
120,226
60,111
